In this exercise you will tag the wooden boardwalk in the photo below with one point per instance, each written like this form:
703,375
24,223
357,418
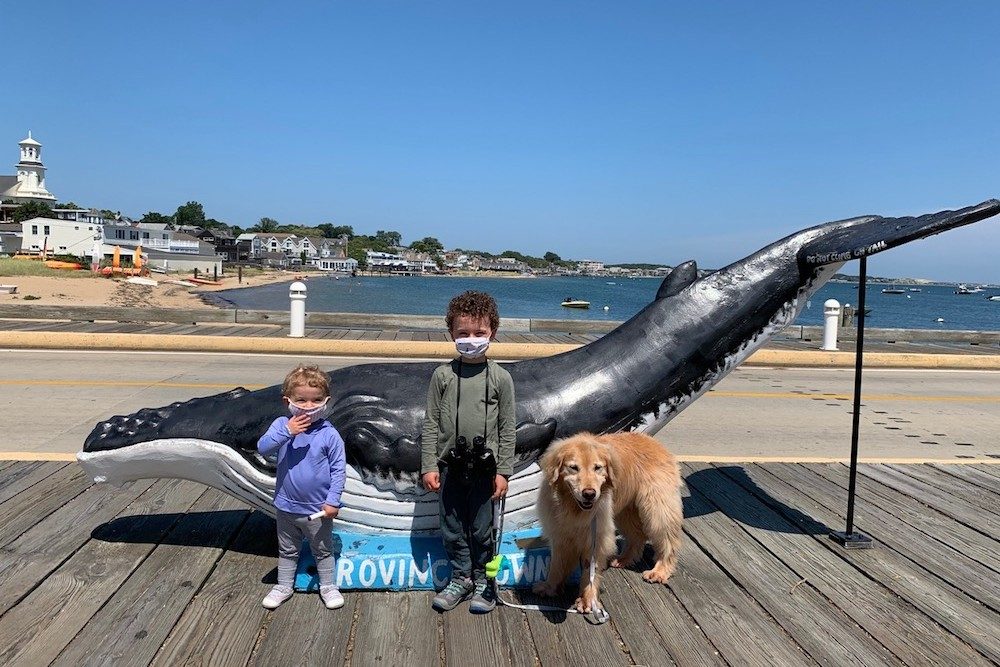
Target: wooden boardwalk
167,573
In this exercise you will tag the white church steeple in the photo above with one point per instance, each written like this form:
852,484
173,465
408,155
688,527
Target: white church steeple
31,172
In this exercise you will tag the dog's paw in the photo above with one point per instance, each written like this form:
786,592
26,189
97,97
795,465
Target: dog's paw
624,561
586,603
655,576
546,589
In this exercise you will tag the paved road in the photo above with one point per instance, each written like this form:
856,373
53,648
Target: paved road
52,399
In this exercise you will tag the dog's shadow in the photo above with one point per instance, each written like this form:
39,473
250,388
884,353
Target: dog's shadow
733,492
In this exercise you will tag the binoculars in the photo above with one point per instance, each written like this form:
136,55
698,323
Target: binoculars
468,463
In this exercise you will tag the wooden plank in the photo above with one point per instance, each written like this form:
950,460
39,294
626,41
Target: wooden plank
821,629
958,486
43,623
497,638
397,628
404,335
41,549
971,475
992,469
3,466
931,522
653,623
221,625
23,474
864,584
937,558
121,313
738,627
933,496
304,632
132,625
49,494
568,639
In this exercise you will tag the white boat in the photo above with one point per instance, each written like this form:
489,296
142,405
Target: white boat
569,302
995,297
893,290
914,289
962,289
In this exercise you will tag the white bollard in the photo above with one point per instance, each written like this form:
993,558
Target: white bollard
831,317
297,294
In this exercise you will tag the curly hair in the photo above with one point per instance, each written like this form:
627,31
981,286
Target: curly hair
474,304
310,376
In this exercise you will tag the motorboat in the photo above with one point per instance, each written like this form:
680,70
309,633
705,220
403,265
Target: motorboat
570,302
914,289
962,289
995,297
893,290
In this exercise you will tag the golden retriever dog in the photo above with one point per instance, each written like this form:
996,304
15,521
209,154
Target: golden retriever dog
624,479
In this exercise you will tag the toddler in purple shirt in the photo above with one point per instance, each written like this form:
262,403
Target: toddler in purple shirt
310,479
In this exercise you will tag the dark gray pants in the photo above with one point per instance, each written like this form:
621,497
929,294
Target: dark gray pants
292,529
467,525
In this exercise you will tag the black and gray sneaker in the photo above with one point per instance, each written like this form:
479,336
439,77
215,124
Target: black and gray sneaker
457,590
484,599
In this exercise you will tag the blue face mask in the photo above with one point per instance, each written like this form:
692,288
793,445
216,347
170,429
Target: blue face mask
314,414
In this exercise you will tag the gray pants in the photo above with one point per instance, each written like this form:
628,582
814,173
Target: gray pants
466,514
292,529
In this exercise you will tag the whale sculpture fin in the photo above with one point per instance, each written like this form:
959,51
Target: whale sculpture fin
682,276
532,437
859,237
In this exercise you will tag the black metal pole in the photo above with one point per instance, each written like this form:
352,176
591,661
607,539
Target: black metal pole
849,539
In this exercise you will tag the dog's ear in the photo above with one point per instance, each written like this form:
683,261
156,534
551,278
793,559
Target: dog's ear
551,463
610,465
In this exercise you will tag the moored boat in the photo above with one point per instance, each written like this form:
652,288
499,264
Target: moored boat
570,302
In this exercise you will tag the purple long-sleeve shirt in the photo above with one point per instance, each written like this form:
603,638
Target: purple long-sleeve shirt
311,466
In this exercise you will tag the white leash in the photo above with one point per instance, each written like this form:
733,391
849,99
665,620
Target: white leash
597,616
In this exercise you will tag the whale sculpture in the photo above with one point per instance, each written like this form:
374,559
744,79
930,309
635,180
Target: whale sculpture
637,377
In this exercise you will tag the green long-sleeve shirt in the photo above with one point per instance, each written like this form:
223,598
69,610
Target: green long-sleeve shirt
498,411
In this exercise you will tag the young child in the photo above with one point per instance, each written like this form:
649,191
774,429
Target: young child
468,448
311,472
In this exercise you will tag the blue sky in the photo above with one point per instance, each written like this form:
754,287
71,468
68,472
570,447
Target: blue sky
643,131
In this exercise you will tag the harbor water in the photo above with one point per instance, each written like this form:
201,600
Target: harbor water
610,299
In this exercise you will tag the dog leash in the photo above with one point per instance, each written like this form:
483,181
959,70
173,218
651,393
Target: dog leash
598,616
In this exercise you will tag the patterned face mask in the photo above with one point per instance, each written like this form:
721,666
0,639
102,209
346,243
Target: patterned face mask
314,414
471,348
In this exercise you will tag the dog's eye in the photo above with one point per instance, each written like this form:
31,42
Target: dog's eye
573,467
598,468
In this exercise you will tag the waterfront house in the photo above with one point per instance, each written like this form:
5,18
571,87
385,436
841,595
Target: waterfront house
10,237
61,237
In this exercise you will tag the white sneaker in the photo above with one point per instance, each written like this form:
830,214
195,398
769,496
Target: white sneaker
331,597
277,595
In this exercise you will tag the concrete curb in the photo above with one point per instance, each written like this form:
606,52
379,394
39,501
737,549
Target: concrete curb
61,340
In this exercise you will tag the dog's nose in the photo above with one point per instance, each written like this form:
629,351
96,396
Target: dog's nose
589,494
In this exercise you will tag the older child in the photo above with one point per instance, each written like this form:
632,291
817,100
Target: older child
311,472
468,448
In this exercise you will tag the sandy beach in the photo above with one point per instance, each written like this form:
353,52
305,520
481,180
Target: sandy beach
81,290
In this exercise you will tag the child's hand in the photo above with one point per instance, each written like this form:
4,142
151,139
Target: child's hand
432,481
499,487
298,424
330,512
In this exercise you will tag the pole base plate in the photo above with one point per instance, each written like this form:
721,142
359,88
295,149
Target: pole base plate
852,540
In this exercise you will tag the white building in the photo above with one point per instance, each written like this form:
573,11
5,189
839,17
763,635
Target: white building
589,266
61,237
29,183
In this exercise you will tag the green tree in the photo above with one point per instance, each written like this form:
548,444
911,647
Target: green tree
155,217
69,204
428,244
551,257
32,209
389,238
332,231
265,225
191,213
